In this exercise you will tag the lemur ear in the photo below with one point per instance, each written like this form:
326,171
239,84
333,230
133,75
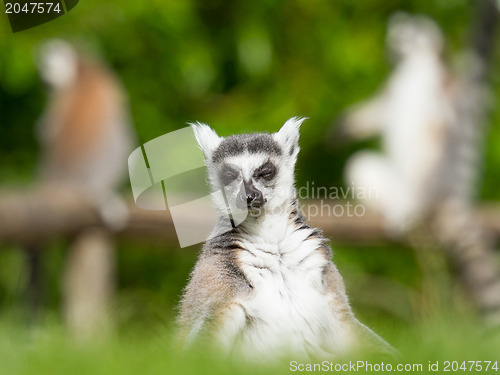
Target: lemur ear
288,135
207,138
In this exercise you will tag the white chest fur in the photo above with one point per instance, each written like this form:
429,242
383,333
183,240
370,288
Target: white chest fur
288,311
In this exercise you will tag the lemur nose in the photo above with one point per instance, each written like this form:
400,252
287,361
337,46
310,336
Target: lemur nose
252,195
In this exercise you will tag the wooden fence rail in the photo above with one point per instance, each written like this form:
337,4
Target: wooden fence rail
38,214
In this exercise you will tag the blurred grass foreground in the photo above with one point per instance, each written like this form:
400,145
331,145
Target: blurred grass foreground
241,67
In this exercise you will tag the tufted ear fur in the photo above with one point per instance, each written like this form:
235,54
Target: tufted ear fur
207,138
288,136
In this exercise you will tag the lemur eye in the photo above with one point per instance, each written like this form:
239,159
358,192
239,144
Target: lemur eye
228,175
266,172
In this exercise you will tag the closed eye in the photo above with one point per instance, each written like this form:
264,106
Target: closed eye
228,175
266,172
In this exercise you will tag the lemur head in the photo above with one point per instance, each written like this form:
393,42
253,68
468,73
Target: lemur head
407,34
58,63
255,171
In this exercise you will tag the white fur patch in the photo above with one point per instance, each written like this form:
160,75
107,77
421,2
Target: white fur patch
58,63
288,135
207,138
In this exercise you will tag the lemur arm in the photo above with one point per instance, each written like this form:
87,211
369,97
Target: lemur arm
365,119
211,287
334,284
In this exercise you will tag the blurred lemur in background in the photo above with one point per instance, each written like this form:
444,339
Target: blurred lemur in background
267,287
432,118
85,136
85,131
415,115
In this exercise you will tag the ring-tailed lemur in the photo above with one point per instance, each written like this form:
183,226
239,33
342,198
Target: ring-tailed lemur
267,286
85,131
415,115
431,120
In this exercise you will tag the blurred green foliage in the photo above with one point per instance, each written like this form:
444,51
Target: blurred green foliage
239,66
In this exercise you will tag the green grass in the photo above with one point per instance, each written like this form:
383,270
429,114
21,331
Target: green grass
419,309
46,350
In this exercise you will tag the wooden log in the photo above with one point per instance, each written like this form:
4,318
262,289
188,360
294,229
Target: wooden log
38,214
